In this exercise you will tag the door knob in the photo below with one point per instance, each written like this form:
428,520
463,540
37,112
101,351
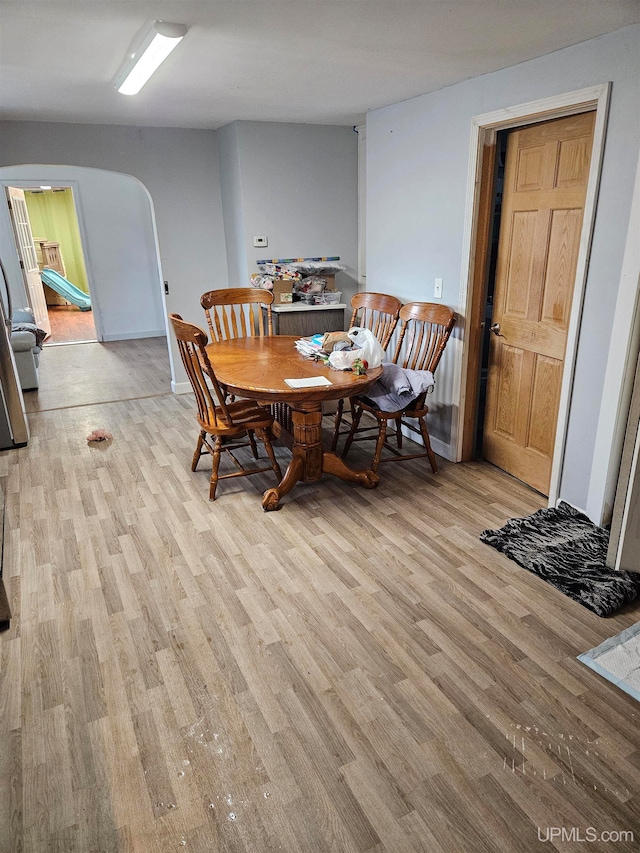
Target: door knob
495,328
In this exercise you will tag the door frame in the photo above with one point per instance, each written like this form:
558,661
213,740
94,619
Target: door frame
73,185
477,224
624,347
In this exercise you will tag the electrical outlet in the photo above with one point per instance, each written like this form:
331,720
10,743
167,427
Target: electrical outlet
437,290
260,242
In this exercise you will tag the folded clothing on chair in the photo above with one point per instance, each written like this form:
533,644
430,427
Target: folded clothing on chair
398,386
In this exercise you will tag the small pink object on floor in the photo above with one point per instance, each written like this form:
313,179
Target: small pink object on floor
99,435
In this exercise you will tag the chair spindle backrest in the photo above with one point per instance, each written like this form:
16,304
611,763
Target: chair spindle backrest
377,312
192,342
236,312
425,328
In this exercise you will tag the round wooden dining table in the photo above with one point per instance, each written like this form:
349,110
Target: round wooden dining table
256,368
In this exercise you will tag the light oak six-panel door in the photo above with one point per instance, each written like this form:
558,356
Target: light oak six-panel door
546,173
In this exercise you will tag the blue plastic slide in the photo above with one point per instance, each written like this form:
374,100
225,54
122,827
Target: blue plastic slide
70,292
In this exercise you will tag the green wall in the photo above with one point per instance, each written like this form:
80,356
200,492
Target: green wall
53,218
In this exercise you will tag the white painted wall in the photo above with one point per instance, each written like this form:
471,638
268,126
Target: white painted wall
178,167
119,246
417,164
620,375
297,184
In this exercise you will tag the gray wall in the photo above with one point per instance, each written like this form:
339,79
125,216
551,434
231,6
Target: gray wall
180,170
296,184
417,165
231,186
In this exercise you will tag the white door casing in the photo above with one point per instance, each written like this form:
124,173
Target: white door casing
483,130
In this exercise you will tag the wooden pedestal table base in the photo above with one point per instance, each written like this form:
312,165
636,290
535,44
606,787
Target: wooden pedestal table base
309,461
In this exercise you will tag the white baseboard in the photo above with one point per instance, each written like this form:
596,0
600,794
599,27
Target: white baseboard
131,336
439,447
442,449
181,387
560,500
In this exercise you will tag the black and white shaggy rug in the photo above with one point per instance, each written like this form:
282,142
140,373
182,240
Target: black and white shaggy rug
565,548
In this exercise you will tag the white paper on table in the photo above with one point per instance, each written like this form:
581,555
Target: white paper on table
310,382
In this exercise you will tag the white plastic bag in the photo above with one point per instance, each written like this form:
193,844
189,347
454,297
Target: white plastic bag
369,348
342,359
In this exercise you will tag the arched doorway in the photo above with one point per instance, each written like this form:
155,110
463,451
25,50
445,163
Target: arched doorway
117,226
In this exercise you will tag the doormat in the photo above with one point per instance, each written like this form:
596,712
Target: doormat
565,548
618,660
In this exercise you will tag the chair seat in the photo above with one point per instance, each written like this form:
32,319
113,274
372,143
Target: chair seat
411,410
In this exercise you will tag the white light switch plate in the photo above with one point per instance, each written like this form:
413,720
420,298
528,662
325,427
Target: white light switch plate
437,290
260,242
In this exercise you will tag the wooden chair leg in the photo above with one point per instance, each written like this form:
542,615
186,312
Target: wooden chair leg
213,483
427,443
266,438
399,432
336,425
198,453
382,437
354,426
252,442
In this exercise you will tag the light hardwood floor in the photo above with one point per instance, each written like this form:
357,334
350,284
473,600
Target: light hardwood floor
356,672
69,323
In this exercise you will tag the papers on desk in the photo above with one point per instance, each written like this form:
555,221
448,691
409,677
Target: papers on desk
310,382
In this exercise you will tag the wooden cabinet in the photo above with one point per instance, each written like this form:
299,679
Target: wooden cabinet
305,320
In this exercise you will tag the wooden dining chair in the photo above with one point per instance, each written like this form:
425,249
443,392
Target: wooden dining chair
425,328
236,312
223,425
379,313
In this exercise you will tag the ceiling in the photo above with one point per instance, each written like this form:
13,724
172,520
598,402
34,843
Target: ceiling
309,61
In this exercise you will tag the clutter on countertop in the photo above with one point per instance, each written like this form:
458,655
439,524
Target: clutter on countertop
307,280
286,271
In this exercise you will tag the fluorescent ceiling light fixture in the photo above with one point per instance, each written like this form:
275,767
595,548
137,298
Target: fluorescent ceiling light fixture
45,188
153,50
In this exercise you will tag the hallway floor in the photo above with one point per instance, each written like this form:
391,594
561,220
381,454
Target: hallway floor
100,372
